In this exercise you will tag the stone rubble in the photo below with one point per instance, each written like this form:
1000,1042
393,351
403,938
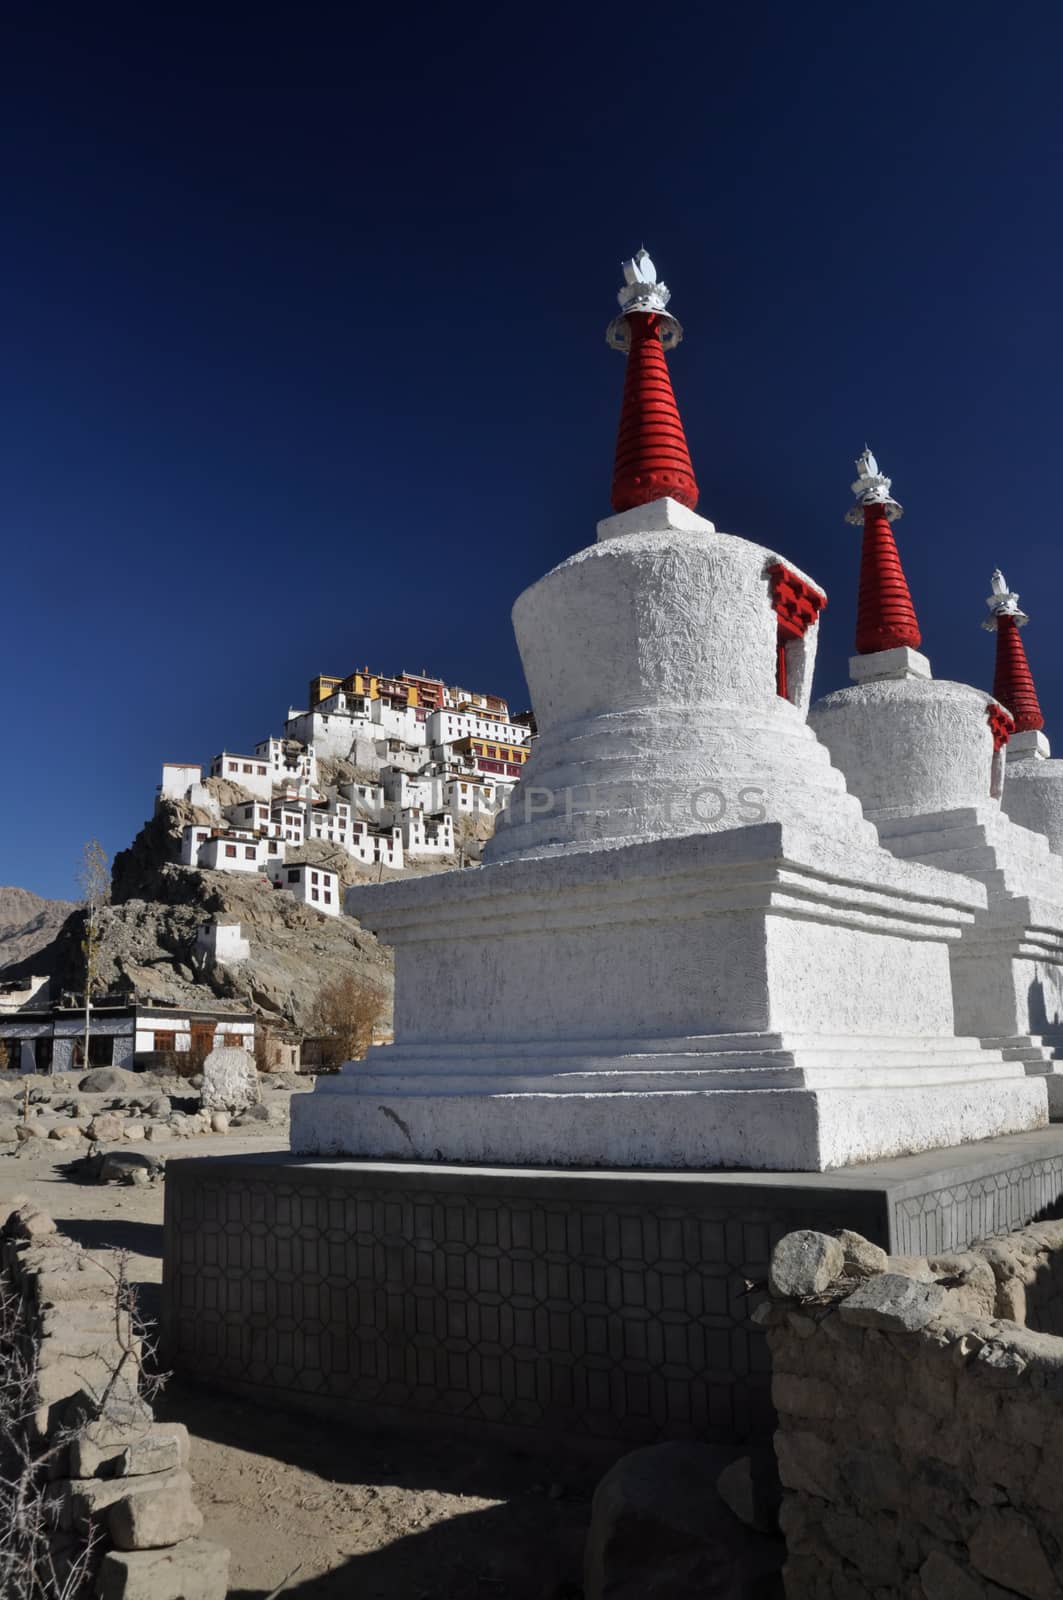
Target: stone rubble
114,1471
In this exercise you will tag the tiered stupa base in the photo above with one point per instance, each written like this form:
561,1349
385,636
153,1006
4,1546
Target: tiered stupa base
724,1000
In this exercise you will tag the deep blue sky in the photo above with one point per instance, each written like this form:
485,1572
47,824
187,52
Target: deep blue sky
303,361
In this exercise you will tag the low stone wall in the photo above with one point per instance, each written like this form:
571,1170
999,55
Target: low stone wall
111,1488
920,1438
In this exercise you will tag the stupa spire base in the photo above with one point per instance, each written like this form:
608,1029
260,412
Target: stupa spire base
900,662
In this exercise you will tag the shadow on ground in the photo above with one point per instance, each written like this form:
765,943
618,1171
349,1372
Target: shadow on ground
113,1233
376,1487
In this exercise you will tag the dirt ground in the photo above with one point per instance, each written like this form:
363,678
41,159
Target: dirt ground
340,1514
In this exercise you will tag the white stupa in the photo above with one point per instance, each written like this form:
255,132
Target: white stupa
927,759
687,949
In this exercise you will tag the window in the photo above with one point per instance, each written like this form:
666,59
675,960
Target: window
293,877
230,850
273,847
262,772
101,1050
165,1039
328,898
314,878
234,766
234,1040
313,894
42,1055
248,767
249,852
201,837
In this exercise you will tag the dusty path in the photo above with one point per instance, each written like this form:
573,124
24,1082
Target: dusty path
353,1514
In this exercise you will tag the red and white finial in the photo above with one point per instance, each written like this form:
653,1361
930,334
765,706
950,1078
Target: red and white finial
1013,682
885,615
652,459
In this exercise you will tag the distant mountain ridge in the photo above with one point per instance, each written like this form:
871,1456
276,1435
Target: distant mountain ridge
28,923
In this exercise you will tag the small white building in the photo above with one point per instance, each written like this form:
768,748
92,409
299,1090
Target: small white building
177,778
228,851
254,816
183,780
312,886
427,836
289,760
221,944
447,725
250,772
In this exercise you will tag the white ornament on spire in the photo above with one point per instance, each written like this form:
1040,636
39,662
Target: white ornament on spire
872,488
643,291
1003,602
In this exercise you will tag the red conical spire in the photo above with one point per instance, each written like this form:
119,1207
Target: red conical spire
652,458
885,615
1013,682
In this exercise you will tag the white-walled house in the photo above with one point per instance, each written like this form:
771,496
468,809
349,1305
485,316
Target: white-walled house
316,887
288,821
289,760
253,815
426,836
221,944
121,1034
177,778
227,849
193,838
235,852
250,772
182,780
447,725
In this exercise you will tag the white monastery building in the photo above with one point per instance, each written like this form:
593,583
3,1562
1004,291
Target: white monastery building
380,769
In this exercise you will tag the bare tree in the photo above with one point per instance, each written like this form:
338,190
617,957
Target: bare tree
94,880
344,1016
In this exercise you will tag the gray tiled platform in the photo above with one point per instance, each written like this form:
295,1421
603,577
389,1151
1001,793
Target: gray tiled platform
612,1306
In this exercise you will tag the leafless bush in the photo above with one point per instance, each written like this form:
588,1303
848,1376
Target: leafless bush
343,1018
37,1560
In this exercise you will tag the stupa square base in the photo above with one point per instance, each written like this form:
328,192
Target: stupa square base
782,1129
603,1307
758,997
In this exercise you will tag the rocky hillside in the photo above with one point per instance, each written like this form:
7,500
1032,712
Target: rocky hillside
148,945
28,924
148,937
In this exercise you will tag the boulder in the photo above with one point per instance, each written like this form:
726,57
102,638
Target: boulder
110,1080
862,1258
118,1166
230,1080
160,1106
219,1122
805,1263
894,1303
65,1130
659,1531
105,1127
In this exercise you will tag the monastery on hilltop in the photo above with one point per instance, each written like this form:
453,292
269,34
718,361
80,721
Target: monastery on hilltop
392,771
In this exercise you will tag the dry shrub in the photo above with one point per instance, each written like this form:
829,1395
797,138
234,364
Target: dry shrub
344,1016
